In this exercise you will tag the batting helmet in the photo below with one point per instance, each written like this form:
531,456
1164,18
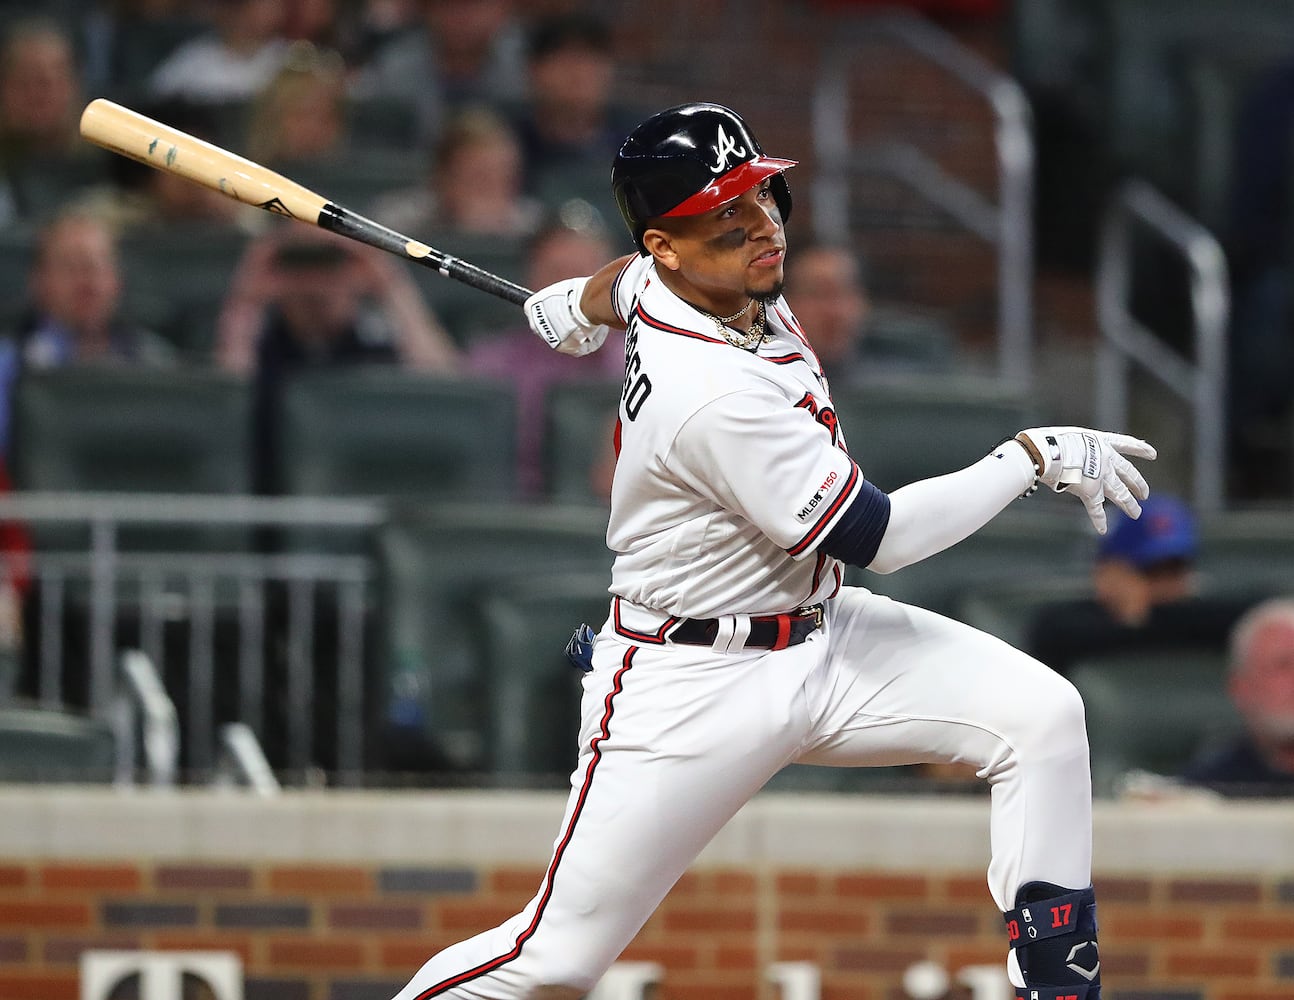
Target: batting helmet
687,160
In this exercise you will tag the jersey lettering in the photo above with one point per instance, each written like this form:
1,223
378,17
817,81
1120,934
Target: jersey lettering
637,385
824,415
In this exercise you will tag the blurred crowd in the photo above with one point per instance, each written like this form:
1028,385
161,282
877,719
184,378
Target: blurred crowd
483,126
476,125
487,128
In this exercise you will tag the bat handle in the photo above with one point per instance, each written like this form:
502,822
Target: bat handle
343,221
470,274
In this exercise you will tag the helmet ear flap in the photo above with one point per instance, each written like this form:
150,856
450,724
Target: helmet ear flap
781,195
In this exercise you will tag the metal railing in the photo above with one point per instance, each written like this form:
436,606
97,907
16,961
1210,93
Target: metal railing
1006,225
1126,342
144,718
146,589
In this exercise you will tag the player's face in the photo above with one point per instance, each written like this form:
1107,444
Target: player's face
721,258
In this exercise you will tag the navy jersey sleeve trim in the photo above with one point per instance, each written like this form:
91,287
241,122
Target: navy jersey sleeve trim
857,535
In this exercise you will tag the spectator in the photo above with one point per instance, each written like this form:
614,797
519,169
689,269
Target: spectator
74,313
854,340
304,298
569,128
473,189
832,306
465,52
122,41
1260,761
231,62
1146,594
518,356
300,115
42,156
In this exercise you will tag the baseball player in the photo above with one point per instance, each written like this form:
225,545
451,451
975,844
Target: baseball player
731,648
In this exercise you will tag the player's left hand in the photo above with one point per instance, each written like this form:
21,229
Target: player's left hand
1091,465
555,315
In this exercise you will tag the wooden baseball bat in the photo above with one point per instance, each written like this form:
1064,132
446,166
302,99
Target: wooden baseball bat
139,137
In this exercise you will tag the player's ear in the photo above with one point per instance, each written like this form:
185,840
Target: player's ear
660,246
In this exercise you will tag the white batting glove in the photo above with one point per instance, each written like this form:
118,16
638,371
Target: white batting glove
555,315
1089,464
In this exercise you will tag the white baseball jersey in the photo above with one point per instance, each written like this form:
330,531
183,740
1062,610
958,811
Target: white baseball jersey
731,465
731,472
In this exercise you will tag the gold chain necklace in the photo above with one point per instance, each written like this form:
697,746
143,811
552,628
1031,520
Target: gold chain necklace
725,320
747,340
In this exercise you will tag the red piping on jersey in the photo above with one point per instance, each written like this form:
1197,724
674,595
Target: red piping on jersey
817,575
786,359
617,685
651,321
615,285
647,638
827,514
793,325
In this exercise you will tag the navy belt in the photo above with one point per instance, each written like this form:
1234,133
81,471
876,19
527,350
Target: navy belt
766,631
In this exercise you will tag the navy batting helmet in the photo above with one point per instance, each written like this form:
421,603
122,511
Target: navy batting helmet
687,160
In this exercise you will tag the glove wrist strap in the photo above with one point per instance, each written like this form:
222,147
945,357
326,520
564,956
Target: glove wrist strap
1034,458
573,300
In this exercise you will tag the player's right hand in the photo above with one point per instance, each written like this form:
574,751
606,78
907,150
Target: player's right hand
1089,464
555,315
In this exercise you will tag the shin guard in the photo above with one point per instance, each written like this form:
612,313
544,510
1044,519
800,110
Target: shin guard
1053,930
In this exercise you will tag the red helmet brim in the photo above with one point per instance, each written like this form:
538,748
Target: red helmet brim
735,182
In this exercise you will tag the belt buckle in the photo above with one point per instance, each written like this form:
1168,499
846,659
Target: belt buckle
818,614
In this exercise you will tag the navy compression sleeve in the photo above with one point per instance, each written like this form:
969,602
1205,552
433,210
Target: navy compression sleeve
857,535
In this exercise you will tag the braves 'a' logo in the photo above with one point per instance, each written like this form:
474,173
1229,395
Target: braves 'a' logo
723,149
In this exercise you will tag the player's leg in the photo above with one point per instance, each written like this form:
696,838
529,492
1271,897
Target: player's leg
672,745
904,685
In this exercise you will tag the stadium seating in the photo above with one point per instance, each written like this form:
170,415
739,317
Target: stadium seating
17,248
1021,543
1006,608
135,430
1147,46
579,418
900,340
43,745
435,563
534,691
176,278
382,122
1151,712
356,177
1247,550
382,431
904,429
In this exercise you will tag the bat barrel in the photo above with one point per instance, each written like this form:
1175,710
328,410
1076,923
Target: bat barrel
131,134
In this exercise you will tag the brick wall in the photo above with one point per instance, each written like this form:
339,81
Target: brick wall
355,932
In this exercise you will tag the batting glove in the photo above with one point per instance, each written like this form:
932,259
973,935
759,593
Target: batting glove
554,313
1089,464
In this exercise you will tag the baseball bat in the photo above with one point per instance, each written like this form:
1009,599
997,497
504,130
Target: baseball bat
139,137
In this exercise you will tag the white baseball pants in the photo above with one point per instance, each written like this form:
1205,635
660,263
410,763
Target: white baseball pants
675,739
